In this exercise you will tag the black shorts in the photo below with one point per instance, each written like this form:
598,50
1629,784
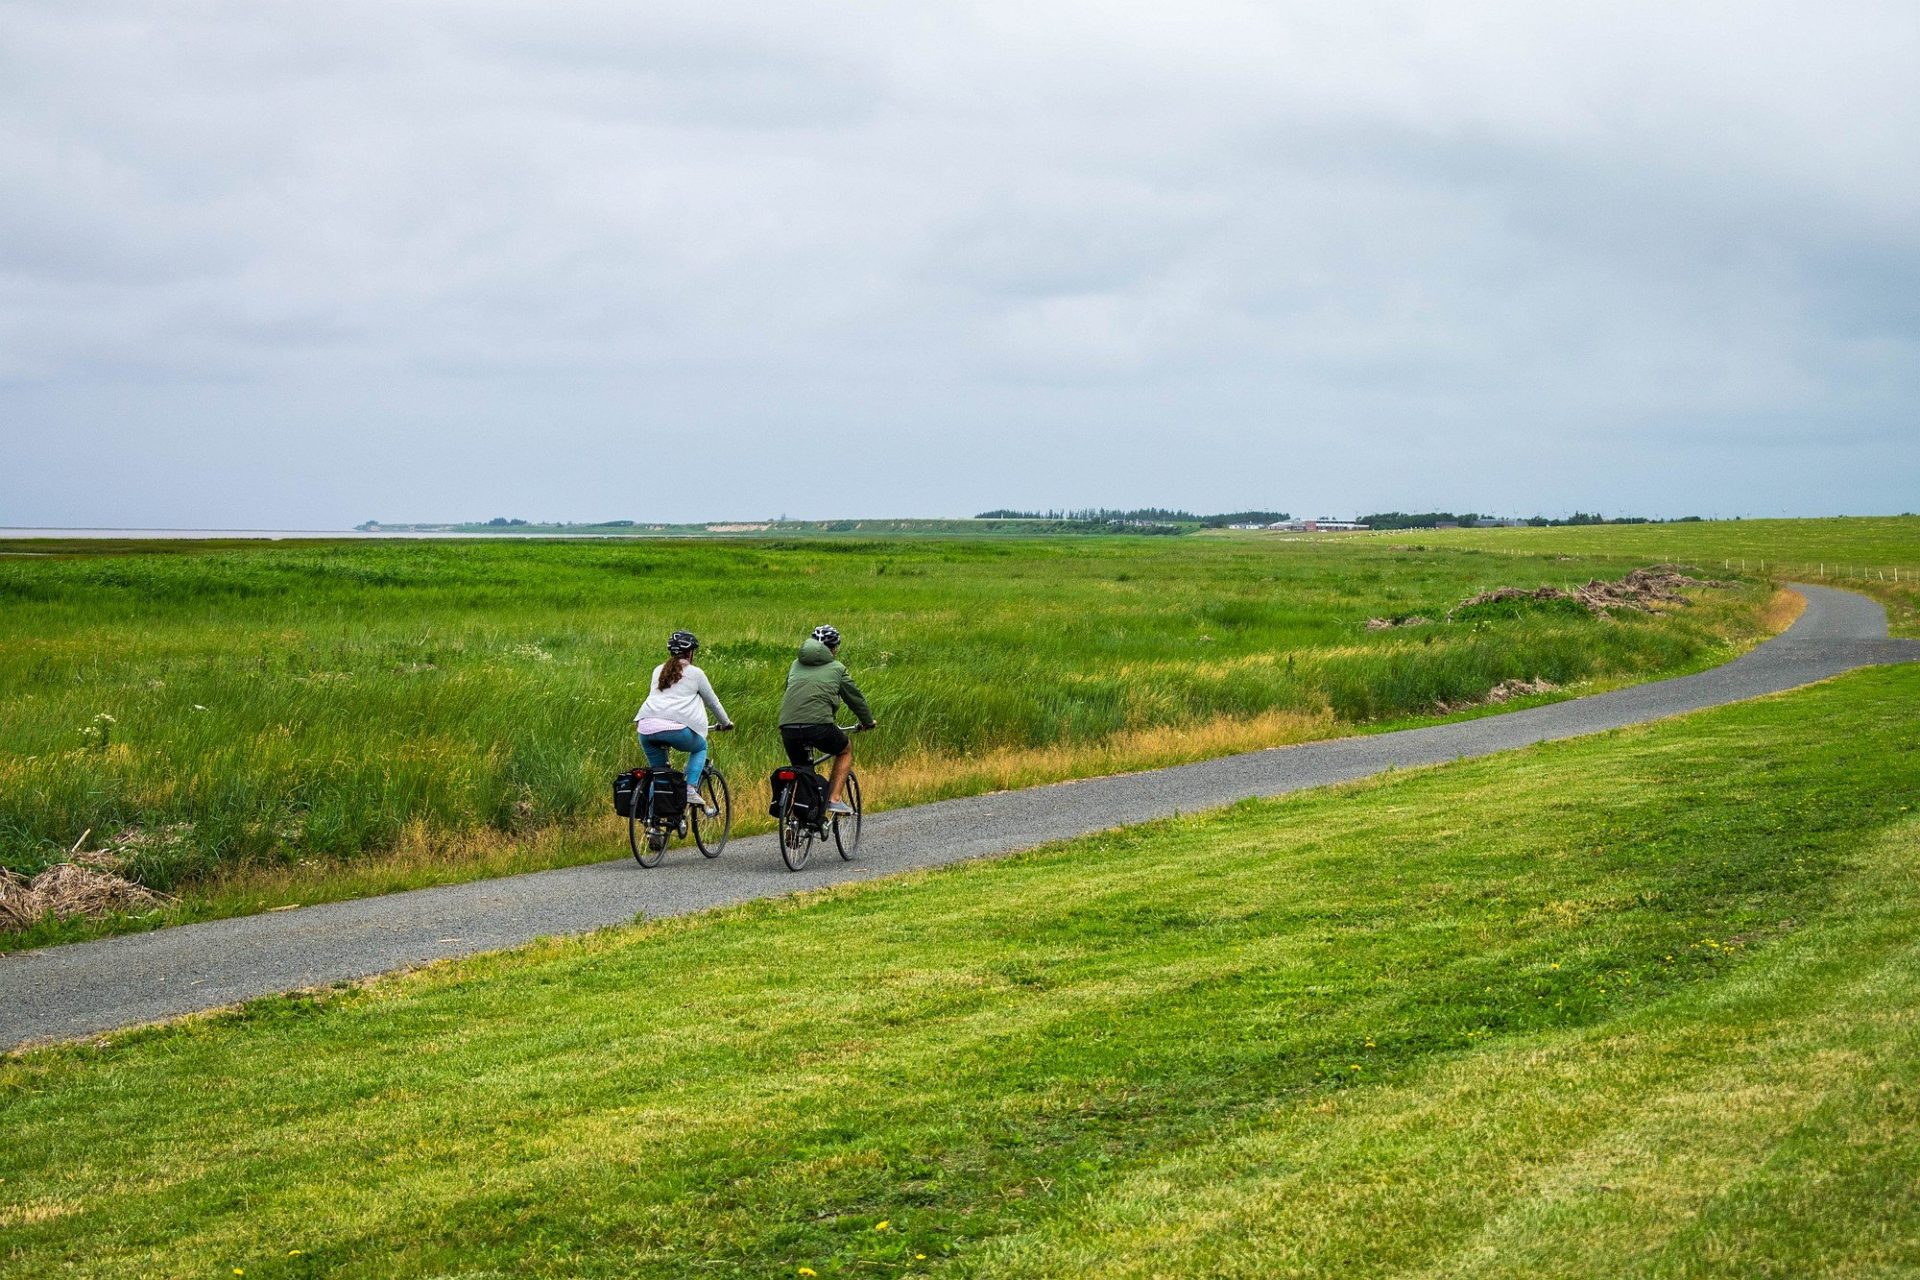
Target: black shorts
830,738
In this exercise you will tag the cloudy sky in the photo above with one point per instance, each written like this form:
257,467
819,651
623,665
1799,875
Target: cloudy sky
303,264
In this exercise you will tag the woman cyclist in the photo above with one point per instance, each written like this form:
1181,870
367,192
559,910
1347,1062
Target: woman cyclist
675,713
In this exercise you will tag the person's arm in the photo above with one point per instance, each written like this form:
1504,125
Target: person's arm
855,700
712,699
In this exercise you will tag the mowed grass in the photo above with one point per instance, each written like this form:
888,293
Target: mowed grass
294,722
1640,1004
1879,555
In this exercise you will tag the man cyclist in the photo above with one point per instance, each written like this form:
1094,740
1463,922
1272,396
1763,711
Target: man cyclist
817,684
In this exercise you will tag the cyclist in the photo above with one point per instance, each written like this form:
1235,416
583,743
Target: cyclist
674,715
817,684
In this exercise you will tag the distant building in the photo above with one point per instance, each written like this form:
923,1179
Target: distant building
1317,526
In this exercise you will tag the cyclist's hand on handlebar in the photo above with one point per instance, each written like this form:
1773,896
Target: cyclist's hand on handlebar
729,727
868,727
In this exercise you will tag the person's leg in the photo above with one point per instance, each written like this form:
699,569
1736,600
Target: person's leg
655,747
696,748
796,748
842,766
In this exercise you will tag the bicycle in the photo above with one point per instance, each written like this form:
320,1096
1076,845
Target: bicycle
798,831
649,832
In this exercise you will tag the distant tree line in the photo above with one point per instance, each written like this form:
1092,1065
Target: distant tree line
1224,519
1094,515
1468,519
1136,515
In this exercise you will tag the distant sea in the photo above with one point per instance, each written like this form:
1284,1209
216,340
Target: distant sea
270,534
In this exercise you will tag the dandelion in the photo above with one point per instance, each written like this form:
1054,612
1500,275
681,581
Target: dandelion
807,1271
1554,965
1353,1066
882,1225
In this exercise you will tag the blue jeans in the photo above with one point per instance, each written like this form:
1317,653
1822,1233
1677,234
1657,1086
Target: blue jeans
656,744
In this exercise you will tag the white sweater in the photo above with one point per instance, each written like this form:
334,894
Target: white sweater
685,703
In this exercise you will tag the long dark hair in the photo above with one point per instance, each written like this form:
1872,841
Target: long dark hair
673,668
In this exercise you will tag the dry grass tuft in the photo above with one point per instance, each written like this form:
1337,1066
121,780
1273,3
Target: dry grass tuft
1782,610
920,778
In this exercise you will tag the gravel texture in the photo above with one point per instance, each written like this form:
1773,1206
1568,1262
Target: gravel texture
86,988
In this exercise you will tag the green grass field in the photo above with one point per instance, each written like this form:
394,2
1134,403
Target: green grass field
1876,554
294,722
1645,1004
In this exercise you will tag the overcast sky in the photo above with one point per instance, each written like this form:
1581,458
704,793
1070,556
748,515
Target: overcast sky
305,264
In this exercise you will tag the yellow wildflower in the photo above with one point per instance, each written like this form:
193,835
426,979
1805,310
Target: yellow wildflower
808,1271
882,1225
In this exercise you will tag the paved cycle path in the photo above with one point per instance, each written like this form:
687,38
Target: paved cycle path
90,987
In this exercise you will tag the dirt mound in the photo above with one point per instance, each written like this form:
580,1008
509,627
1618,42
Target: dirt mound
1389,624
89,884
1641,590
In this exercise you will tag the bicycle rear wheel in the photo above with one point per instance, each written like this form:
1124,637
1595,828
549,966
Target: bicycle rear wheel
846,827
648,845
646,841
711,834
796,841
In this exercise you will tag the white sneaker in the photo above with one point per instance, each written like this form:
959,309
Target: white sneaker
840,806
699,802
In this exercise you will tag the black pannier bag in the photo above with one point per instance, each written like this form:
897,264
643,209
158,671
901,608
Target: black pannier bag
809,798
667,786
625,787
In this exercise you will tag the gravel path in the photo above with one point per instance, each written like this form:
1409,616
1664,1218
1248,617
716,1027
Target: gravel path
84,988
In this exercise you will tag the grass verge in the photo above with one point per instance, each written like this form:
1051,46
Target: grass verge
1636,1004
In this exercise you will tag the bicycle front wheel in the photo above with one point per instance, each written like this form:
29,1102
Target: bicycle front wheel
846,826
711,834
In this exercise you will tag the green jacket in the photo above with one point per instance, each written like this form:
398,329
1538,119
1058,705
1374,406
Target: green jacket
816,685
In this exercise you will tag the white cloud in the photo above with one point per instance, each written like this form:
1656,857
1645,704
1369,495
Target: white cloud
1383,252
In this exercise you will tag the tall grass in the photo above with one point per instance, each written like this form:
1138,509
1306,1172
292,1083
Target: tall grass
261,705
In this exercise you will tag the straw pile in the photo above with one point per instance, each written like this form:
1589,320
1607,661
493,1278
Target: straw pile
88,884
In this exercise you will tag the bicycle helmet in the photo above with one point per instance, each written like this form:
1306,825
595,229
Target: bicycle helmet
682,643
828,636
